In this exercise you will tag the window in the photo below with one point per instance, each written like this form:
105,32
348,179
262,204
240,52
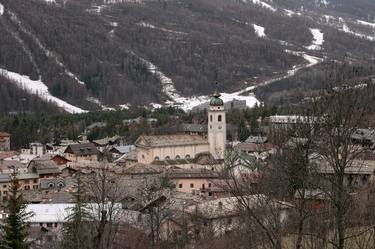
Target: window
26,181
209,185
220,205
203,186
167,158
191,185
27,187
219,118
187,156
49,224
210,118
180,185
60,185
156,158
4,186
178,157
35,187
51,185
35,181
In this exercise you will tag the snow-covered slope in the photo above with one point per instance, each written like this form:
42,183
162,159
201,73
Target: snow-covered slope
259,30
38,88
318,39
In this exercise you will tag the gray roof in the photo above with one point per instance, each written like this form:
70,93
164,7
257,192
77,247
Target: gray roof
124,149
4,178
256,139
169,140
364,134
82,149
194,127
44,166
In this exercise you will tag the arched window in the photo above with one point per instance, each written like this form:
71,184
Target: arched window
156,158
167,158
187,156
178,157
210,118
219,118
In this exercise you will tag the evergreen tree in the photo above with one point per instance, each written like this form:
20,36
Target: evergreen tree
14,229
75,234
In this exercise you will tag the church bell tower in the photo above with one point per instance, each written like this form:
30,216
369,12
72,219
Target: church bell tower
217,130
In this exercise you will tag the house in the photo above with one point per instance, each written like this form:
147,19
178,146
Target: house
59,160
82,152
7,166
223,215
118,151
4,141
45,167
260,151
103,143
192,181
365,137
26,181
358,175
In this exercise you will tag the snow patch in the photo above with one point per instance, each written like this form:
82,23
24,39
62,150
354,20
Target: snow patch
1,9
259,30
322,3
37,87
124,107
262,4
148,25
371,24
318,39
346,29
99,103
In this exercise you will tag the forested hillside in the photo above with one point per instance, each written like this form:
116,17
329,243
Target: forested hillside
99,54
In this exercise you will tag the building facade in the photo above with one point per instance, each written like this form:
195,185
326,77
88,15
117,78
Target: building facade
217,129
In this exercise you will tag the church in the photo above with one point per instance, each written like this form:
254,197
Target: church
157,148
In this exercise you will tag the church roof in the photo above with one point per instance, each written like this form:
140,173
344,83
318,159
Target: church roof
169,140
216,100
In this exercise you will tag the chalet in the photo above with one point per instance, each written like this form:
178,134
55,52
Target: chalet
44,167
4,141
82,152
